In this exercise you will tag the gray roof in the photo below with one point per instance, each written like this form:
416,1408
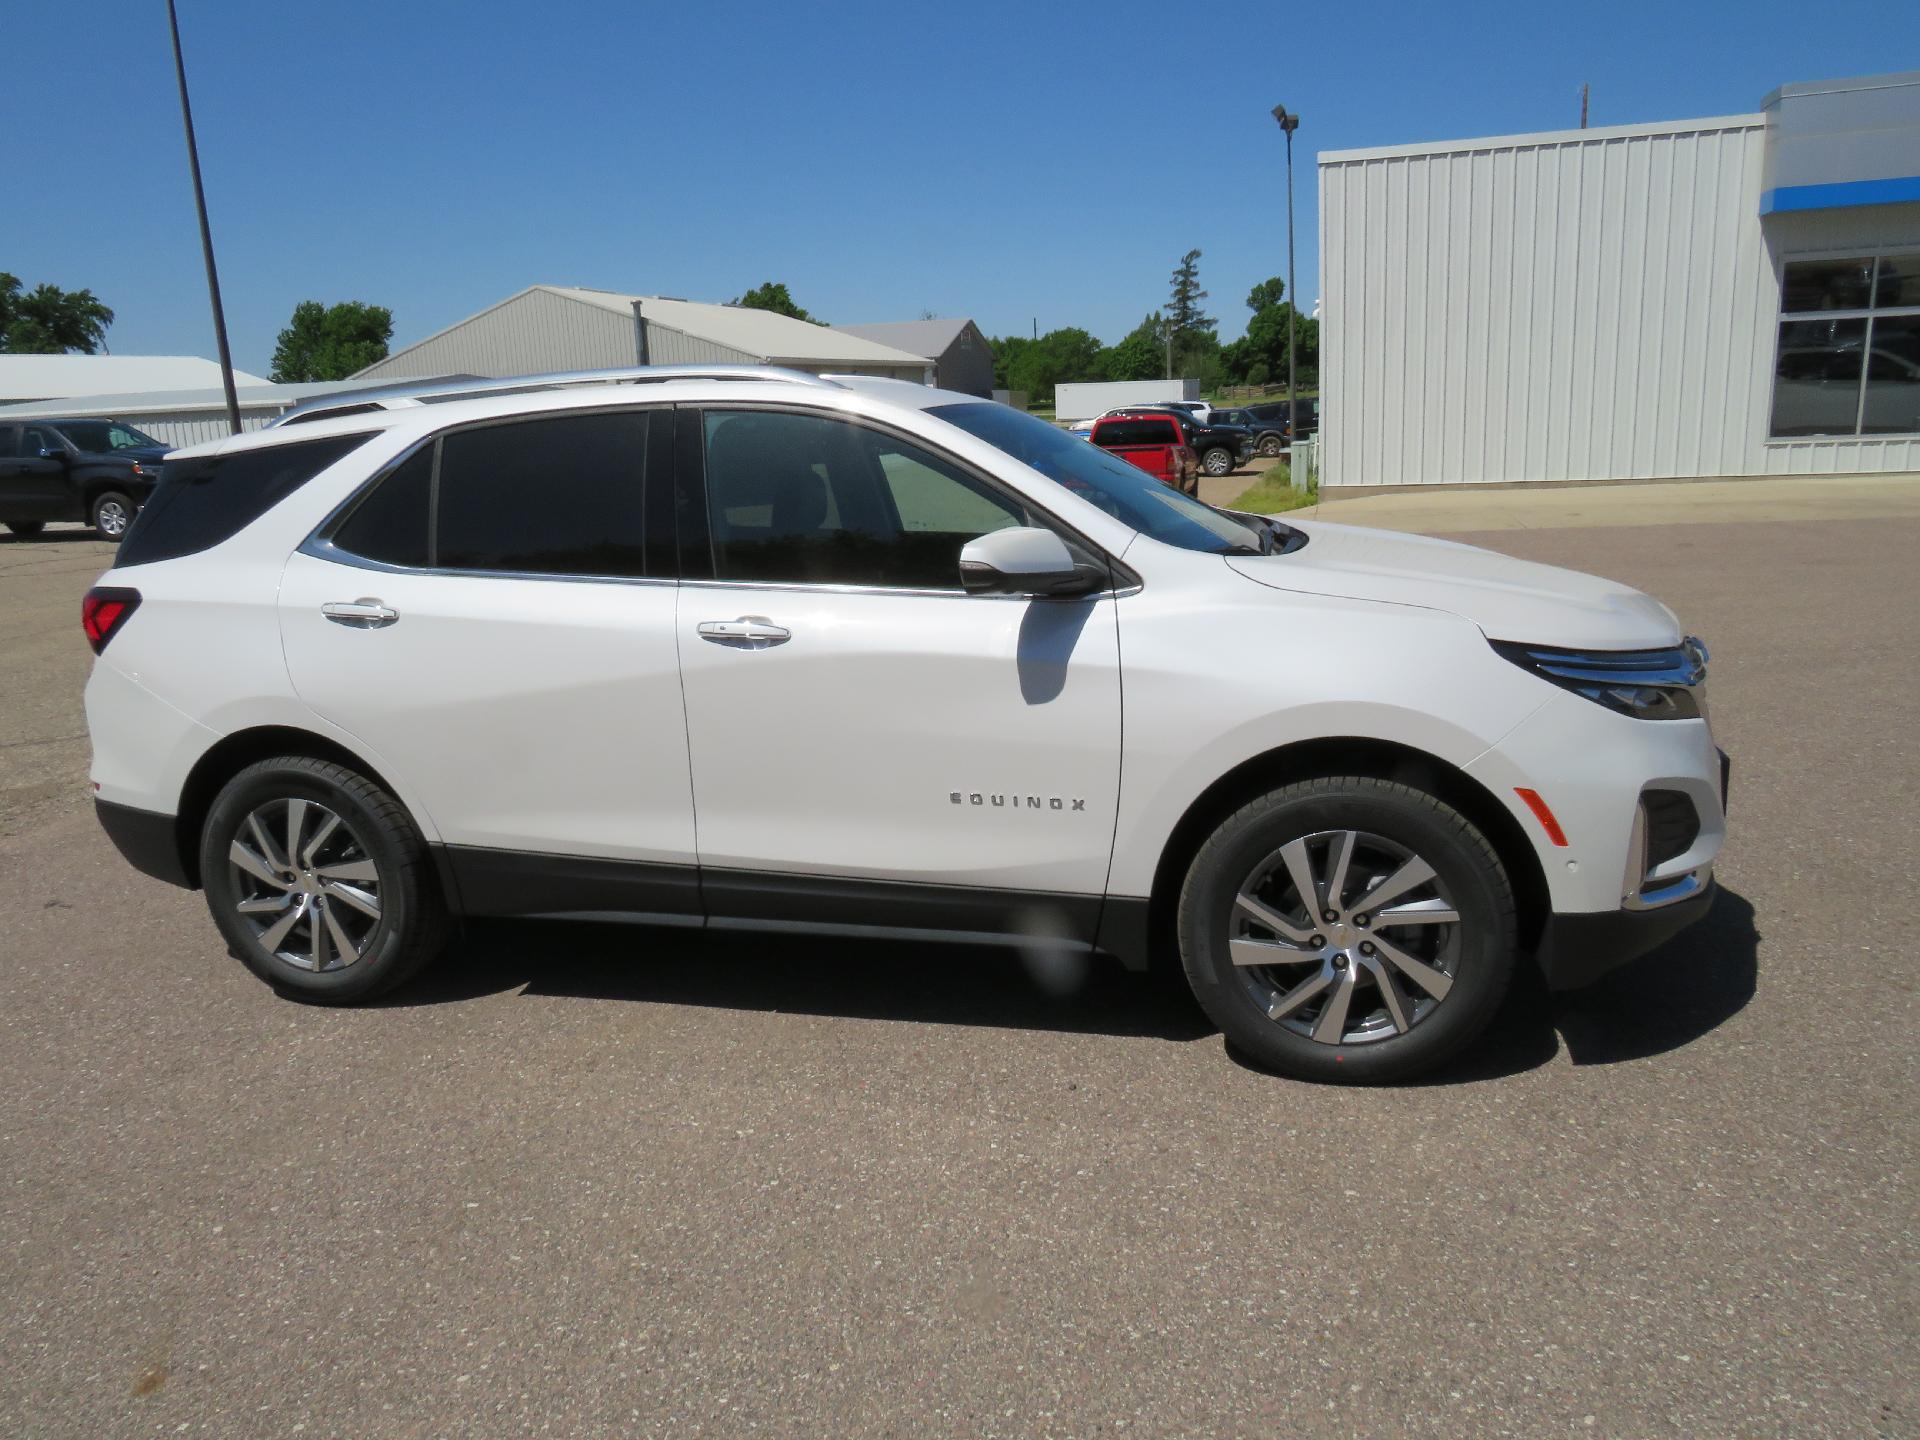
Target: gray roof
159,402
928,338
775,339
35,377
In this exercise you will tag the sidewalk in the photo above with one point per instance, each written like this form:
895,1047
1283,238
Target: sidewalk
1705,502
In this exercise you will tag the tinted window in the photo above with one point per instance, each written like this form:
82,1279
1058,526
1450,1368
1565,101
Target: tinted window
100,437
1827,284
1116,433
390,524
9,441
1892,405
1125,492
557,496
35,438
803,499
210,498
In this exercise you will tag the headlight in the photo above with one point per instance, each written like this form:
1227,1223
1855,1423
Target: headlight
1664,684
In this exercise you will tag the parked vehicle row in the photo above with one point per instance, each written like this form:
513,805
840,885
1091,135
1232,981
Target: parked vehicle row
750,650
99,471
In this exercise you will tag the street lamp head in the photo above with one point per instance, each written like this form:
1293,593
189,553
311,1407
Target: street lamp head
1288,122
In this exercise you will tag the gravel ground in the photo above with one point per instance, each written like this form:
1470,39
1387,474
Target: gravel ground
586,1181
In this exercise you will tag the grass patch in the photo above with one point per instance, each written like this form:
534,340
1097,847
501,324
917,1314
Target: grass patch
1274,493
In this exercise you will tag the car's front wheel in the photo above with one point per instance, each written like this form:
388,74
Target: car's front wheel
319,880
1217,462
1348,929
110,514
1269,444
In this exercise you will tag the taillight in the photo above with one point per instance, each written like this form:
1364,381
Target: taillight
105,609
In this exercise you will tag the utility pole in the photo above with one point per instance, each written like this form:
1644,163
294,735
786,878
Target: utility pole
206,234
1288,124
1583,106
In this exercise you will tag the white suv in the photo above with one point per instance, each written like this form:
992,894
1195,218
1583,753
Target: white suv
770,650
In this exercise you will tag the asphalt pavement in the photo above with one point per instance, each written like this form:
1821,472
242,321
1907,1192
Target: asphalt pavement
594,1181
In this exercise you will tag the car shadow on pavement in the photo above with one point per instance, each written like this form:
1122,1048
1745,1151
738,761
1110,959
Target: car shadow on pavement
1669,997
930,983
1660,1002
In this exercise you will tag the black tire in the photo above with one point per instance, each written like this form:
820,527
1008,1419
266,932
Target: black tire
1269,445
110,513
411,926
1217,461
26,529
1476,954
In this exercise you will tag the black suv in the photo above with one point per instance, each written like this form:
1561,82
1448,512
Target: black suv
99,471
1274,412
1222,448
1269,436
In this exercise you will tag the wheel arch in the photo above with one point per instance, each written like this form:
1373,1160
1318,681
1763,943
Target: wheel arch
1347,755
232,754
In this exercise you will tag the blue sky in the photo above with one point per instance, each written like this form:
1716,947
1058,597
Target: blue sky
1008,162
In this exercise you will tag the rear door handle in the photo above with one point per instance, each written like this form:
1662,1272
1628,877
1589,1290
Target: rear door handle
366,613
749,632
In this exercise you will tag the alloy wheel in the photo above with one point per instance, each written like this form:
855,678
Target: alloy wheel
112,519
309,890
1345,937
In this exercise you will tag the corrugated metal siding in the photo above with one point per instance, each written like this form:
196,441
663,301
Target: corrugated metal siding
179,429
666,346
1599,307
532,333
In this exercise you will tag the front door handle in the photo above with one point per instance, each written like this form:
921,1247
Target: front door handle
366,613
749,632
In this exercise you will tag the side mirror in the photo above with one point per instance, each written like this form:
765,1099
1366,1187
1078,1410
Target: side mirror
1023,561
47,454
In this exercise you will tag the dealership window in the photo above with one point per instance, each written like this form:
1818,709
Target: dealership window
1848,361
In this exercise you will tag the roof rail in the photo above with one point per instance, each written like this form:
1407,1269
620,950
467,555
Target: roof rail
431,392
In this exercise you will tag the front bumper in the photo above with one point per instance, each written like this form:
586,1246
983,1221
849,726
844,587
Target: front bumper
1576,950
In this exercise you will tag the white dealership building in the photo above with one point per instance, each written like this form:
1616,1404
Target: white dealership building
1724,297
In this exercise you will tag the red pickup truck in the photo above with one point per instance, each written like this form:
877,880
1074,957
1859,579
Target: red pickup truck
1155,443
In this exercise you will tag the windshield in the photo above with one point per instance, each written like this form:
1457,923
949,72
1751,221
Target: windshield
1124,491
99,437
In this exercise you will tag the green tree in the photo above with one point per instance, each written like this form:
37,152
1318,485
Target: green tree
1141,355
1192,329
1265,343
1056,358
47,320
330,342
773,296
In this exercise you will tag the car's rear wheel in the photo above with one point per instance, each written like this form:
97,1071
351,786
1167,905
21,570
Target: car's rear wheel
1269,444
1217,461
320,881
26,529
110,514
1348,929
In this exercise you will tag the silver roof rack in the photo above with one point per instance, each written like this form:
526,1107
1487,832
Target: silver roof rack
469,387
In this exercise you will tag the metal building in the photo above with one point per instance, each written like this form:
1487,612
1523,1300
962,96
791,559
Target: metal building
1724,297
184,417
962,359
26,378
552,327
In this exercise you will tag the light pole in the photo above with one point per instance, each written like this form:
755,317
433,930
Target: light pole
1290,122
206,235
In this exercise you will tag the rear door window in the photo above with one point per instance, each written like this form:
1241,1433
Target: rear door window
560,495
207,499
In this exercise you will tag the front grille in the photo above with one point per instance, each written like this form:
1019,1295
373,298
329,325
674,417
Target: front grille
1672,826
